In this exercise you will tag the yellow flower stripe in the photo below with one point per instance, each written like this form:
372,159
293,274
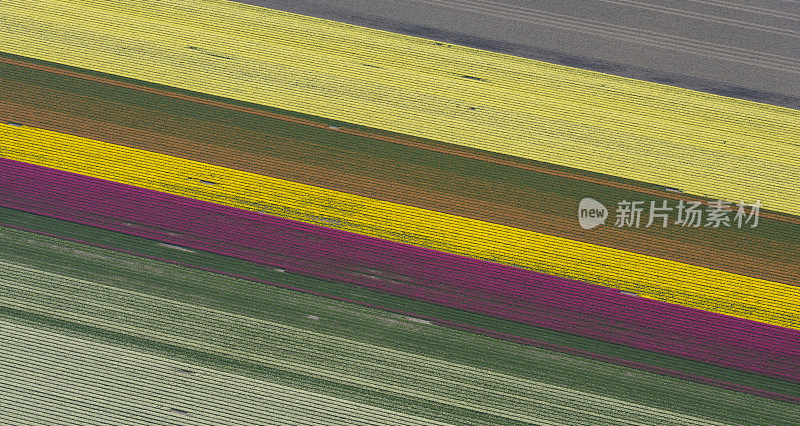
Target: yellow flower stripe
670,281
701,143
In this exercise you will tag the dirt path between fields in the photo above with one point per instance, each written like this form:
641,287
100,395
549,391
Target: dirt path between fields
407,141
739,255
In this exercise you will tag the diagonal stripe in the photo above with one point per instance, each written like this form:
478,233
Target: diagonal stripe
703,144
660,279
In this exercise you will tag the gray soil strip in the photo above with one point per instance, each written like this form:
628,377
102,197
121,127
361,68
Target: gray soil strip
727,48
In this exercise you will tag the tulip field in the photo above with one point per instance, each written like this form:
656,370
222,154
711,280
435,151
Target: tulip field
217,213
706,144
302,335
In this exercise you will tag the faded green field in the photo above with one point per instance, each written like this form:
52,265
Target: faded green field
347,351
243,299
63,379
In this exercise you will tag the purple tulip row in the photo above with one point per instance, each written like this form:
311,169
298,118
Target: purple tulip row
478,286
